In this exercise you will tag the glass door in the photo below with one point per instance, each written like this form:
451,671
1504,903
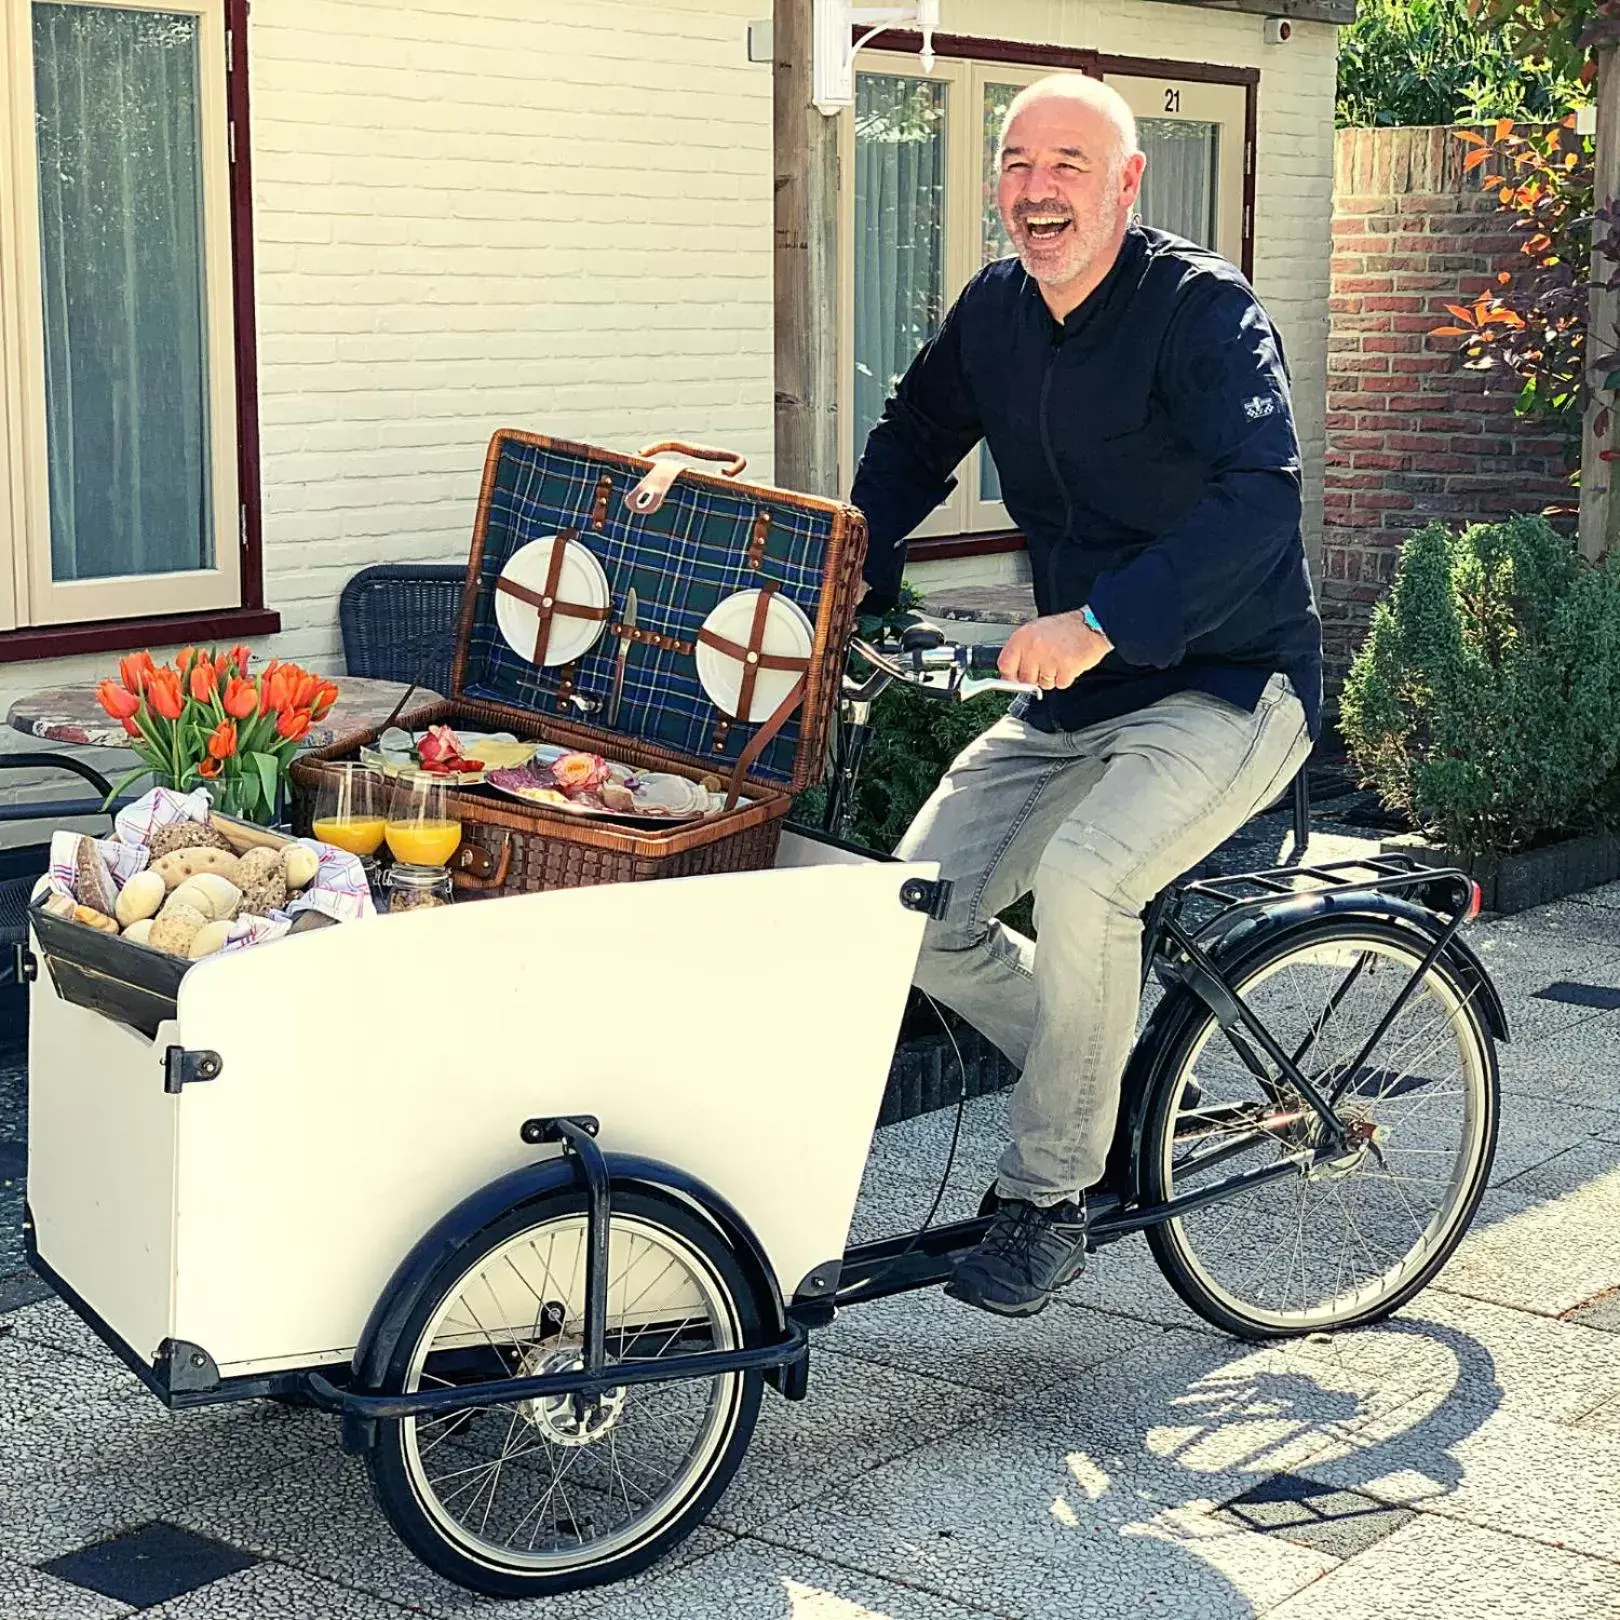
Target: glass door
898,219
994,89
1192,136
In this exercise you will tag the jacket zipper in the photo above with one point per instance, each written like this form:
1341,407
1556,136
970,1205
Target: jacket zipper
1057,476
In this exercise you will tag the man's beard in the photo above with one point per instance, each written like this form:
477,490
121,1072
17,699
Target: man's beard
1068,255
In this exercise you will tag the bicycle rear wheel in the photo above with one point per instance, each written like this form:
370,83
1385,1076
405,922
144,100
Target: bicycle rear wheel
1353,1239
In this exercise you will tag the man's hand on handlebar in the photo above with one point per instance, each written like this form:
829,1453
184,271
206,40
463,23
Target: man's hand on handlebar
1052,652
919,656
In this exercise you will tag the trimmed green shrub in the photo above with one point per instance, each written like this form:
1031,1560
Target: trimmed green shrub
1485,702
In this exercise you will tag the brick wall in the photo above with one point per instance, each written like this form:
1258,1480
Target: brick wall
1411,436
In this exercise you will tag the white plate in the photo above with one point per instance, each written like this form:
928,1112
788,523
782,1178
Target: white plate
788,634
581,583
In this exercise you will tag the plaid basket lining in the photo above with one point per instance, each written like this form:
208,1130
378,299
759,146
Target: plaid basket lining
682,561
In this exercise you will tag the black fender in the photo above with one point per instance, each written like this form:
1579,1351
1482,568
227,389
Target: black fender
1226,940
528,1184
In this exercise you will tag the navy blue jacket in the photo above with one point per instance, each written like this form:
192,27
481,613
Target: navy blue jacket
1147,453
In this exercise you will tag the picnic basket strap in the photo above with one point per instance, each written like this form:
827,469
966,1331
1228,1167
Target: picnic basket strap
761,740
756,643
733,649
548,599
474,867
757,538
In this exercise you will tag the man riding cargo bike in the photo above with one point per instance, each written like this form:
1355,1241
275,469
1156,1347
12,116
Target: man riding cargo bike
1134,396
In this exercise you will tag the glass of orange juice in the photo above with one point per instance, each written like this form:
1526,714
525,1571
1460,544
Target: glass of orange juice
421,830
349,809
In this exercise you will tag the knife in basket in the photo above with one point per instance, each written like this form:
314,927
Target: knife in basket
627,623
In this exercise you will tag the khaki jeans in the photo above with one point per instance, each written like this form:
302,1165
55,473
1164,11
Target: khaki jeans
1096,822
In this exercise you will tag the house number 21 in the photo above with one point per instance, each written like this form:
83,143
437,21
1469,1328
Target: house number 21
1172,101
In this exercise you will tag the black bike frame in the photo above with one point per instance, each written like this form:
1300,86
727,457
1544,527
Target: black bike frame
897,1265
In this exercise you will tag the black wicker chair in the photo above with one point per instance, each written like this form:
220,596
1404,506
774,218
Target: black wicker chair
398,622
15,886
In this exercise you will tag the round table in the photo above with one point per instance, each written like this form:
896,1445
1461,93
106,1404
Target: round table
71,714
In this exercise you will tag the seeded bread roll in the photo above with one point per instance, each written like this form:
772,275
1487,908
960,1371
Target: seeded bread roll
262,876
175,929
185,835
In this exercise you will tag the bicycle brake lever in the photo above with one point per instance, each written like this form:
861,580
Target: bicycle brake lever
971,688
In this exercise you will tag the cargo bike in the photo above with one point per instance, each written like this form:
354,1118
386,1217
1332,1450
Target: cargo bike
554,1186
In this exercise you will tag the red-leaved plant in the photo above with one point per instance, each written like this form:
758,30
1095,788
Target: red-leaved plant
1533,325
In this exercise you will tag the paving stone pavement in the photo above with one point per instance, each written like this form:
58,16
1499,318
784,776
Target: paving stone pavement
1115,1456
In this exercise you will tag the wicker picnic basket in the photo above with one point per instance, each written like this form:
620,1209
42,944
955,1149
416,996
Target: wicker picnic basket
685,541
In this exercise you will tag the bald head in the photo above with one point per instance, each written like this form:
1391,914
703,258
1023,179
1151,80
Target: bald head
1079,91
1070,174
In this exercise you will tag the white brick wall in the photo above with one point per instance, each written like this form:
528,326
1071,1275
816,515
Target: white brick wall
472,214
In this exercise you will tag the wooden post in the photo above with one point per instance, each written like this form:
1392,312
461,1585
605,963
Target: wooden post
1599,530
806,226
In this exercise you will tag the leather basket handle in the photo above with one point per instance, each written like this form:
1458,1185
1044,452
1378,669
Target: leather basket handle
700,452
473,867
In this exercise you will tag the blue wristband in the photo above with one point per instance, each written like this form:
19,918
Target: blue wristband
1091,622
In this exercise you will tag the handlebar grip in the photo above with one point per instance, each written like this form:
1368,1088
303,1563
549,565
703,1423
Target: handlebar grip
982,659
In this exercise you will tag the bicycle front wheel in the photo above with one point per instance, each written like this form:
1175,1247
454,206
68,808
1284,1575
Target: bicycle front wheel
1356,1236
534,1497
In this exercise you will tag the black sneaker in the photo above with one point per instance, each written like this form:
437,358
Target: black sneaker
1027,1253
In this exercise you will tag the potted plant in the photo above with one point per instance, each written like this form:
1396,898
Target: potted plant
207,720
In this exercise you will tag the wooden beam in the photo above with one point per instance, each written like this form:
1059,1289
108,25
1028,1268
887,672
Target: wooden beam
1599,529
1342,12
806,263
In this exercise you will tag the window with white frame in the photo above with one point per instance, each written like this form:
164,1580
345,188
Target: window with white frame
118,420
919,217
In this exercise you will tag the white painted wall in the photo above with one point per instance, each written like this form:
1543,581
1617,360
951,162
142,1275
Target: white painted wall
475,214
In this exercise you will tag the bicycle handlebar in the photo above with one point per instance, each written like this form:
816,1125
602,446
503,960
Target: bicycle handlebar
949,672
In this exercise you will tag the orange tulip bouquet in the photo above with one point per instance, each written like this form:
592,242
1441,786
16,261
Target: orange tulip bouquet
206,720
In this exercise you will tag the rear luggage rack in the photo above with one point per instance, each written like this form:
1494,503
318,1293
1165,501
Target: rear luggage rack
1380,874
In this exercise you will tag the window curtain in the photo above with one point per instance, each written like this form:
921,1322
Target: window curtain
899,232
126,352
1178,186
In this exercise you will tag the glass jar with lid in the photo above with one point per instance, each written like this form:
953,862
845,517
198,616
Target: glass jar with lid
416,888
